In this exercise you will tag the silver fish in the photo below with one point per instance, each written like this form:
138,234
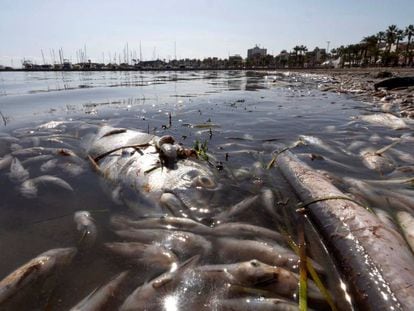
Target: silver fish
257,274
86,225
151,255
385,119
131,158
98,299
163,222
48,165
237,209
315,141
145,296
254,304
5,161
183,244
42,265
377,261
29,188
406,221
377,162
236,229
18,173
39,158
231,250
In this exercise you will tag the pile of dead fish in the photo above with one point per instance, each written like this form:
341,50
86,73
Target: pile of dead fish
253,271
188,265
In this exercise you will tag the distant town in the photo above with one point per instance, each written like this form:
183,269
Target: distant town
392,47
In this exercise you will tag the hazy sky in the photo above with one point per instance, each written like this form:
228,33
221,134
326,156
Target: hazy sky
200,28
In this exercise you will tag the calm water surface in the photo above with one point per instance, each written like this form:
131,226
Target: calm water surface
242,116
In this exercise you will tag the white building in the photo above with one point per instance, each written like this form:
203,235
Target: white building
256,52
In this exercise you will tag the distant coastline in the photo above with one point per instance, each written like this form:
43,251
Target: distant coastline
316,69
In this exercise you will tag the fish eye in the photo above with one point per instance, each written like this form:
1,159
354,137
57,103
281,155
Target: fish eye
205,182
254,263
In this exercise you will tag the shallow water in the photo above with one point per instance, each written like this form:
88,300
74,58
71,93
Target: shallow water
243,117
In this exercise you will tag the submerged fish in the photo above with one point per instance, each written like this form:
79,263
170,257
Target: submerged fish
151,255
406,221
257,274
377,162
231,249
29,188
86,225
98,299
42,265
253,304
145,296
183,244
239,230
385,119
18,173
163,222
147,169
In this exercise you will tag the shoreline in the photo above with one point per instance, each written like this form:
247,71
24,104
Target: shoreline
359,83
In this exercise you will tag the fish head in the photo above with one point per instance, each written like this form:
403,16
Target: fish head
256,273
194,186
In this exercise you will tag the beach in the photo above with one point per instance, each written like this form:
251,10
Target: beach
359,83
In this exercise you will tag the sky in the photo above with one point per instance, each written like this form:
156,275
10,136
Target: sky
187,28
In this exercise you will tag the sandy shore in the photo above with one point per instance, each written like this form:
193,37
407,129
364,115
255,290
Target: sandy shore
360,83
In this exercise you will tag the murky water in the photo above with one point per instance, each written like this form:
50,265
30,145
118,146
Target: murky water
243,117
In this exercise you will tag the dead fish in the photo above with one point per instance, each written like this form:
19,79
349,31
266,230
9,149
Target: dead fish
5,161
315,141
403,156
377,162
372,255
385,119
254,304
190,180
257,274
98,299
86,225
18,173
15,147
386,218
406,221
237,209
72,169
39,158
34,151
49,165
231,250
42,265
151,255
243,230
145,296
163,222
183,244
29,188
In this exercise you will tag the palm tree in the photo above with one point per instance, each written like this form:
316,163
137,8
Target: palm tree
391,35
409,33
302,49
400,36
296,49
369,44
